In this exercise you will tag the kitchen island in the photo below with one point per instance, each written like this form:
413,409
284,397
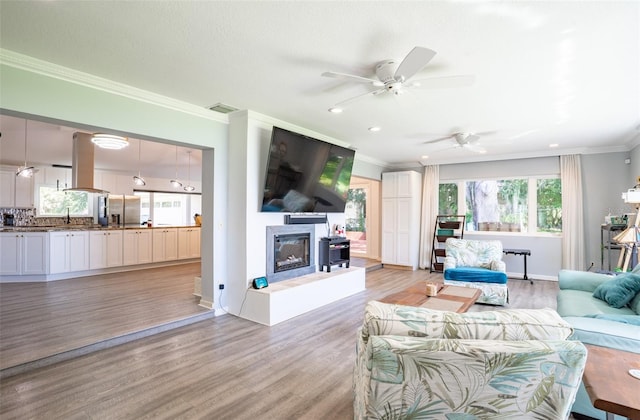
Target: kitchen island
45,253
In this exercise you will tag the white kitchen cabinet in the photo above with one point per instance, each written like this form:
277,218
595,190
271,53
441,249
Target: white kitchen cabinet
114,183
24,196
188,243
15,191
7,188
137,246
23,253
68,251
165,244
401,218
105,249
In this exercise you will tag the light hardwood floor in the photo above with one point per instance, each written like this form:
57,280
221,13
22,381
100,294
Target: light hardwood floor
46,318
225,367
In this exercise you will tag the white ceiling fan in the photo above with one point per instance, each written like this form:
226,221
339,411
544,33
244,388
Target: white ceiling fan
394,77
465,140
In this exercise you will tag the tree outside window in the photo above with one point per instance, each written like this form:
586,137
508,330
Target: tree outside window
504,205
549,200
448,199
55,202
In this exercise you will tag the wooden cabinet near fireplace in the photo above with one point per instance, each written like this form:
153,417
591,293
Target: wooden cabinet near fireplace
334,250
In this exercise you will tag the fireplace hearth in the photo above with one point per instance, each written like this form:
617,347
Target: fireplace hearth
290,251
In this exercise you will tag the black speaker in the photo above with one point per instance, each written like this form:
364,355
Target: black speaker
292,219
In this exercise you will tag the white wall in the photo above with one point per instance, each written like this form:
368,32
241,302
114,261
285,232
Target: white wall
250,136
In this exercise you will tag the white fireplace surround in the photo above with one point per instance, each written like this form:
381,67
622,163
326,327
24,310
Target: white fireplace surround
272,232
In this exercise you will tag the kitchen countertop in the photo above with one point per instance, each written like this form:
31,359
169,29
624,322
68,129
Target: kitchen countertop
59,228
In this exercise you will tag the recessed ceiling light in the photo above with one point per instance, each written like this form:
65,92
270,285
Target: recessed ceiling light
482,152
425,157
335,110
374,129
552,145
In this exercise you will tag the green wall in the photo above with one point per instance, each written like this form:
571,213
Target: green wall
41,97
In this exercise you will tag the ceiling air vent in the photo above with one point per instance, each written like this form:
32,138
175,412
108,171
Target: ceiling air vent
222,108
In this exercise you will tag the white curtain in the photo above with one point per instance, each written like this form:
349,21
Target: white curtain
572,214
430,186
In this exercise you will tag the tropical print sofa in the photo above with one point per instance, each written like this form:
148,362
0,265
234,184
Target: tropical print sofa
425,364
477,264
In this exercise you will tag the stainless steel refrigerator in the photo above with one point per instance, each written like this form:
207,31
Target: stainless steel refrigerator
124,210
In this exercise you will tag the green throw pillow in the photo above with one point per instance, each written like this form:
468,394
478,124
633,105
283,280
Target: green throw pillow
619,291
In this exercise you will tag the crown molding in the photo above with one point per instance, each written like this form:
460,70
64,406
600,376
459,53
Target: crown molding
34,65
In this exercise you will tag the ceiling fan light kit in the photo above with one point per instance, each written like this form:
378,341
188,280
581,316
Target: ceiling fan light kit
109,141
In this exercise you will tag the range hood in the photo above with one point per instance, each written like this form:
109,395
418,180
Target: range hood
83,164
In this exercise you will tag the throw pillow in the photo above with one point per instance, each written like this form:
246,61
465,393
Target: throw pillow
619,291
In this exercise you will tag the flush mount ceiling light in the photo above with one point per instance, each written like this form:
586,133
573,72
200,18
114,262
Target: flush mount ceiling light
335,110
138,179
189,187
175,183
26,171
109,141
374,129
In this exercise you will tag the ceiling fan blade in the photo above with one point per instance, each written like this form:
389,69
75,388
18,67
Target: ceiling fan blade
443,82
352,77
437,140
355,98
417,58
472,138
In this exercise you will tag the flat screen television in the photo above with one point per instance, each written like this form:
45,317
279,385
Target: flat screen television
306,175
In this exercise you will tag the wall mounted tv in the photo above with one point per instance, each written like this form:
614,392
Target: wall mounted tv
306,175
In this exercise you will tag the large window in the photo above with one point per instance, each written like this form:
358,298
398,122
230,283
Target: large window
55,202
169,209
509,205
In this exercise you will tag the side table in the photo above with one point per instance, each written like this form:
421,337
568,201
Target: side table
610,386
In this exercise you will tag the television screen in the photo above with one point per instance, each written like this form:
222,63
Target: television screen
306,175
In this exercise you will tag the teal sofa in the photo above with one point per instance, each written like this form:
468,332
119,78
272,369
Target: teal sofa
416,363
596,322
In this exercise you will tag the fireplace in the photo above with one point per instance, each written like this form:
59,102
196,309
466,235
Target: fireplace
290,251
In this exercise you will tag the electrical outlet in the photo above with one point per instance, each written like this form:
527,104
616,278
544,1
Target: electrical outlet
221,286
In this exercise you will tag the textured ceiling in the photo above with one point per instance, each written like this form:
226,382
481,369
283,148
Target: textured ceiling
545,72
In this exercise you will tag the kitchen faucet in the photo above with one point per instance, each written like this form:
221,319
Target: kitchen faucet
68,217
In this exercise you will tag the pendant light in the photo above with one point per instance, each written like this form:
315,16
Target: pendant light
189,187
109,141
175,183
138,179
26,171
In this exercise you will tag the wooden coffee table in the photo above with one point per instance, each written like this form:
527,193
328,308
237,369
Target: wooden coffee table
609,384
449,298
